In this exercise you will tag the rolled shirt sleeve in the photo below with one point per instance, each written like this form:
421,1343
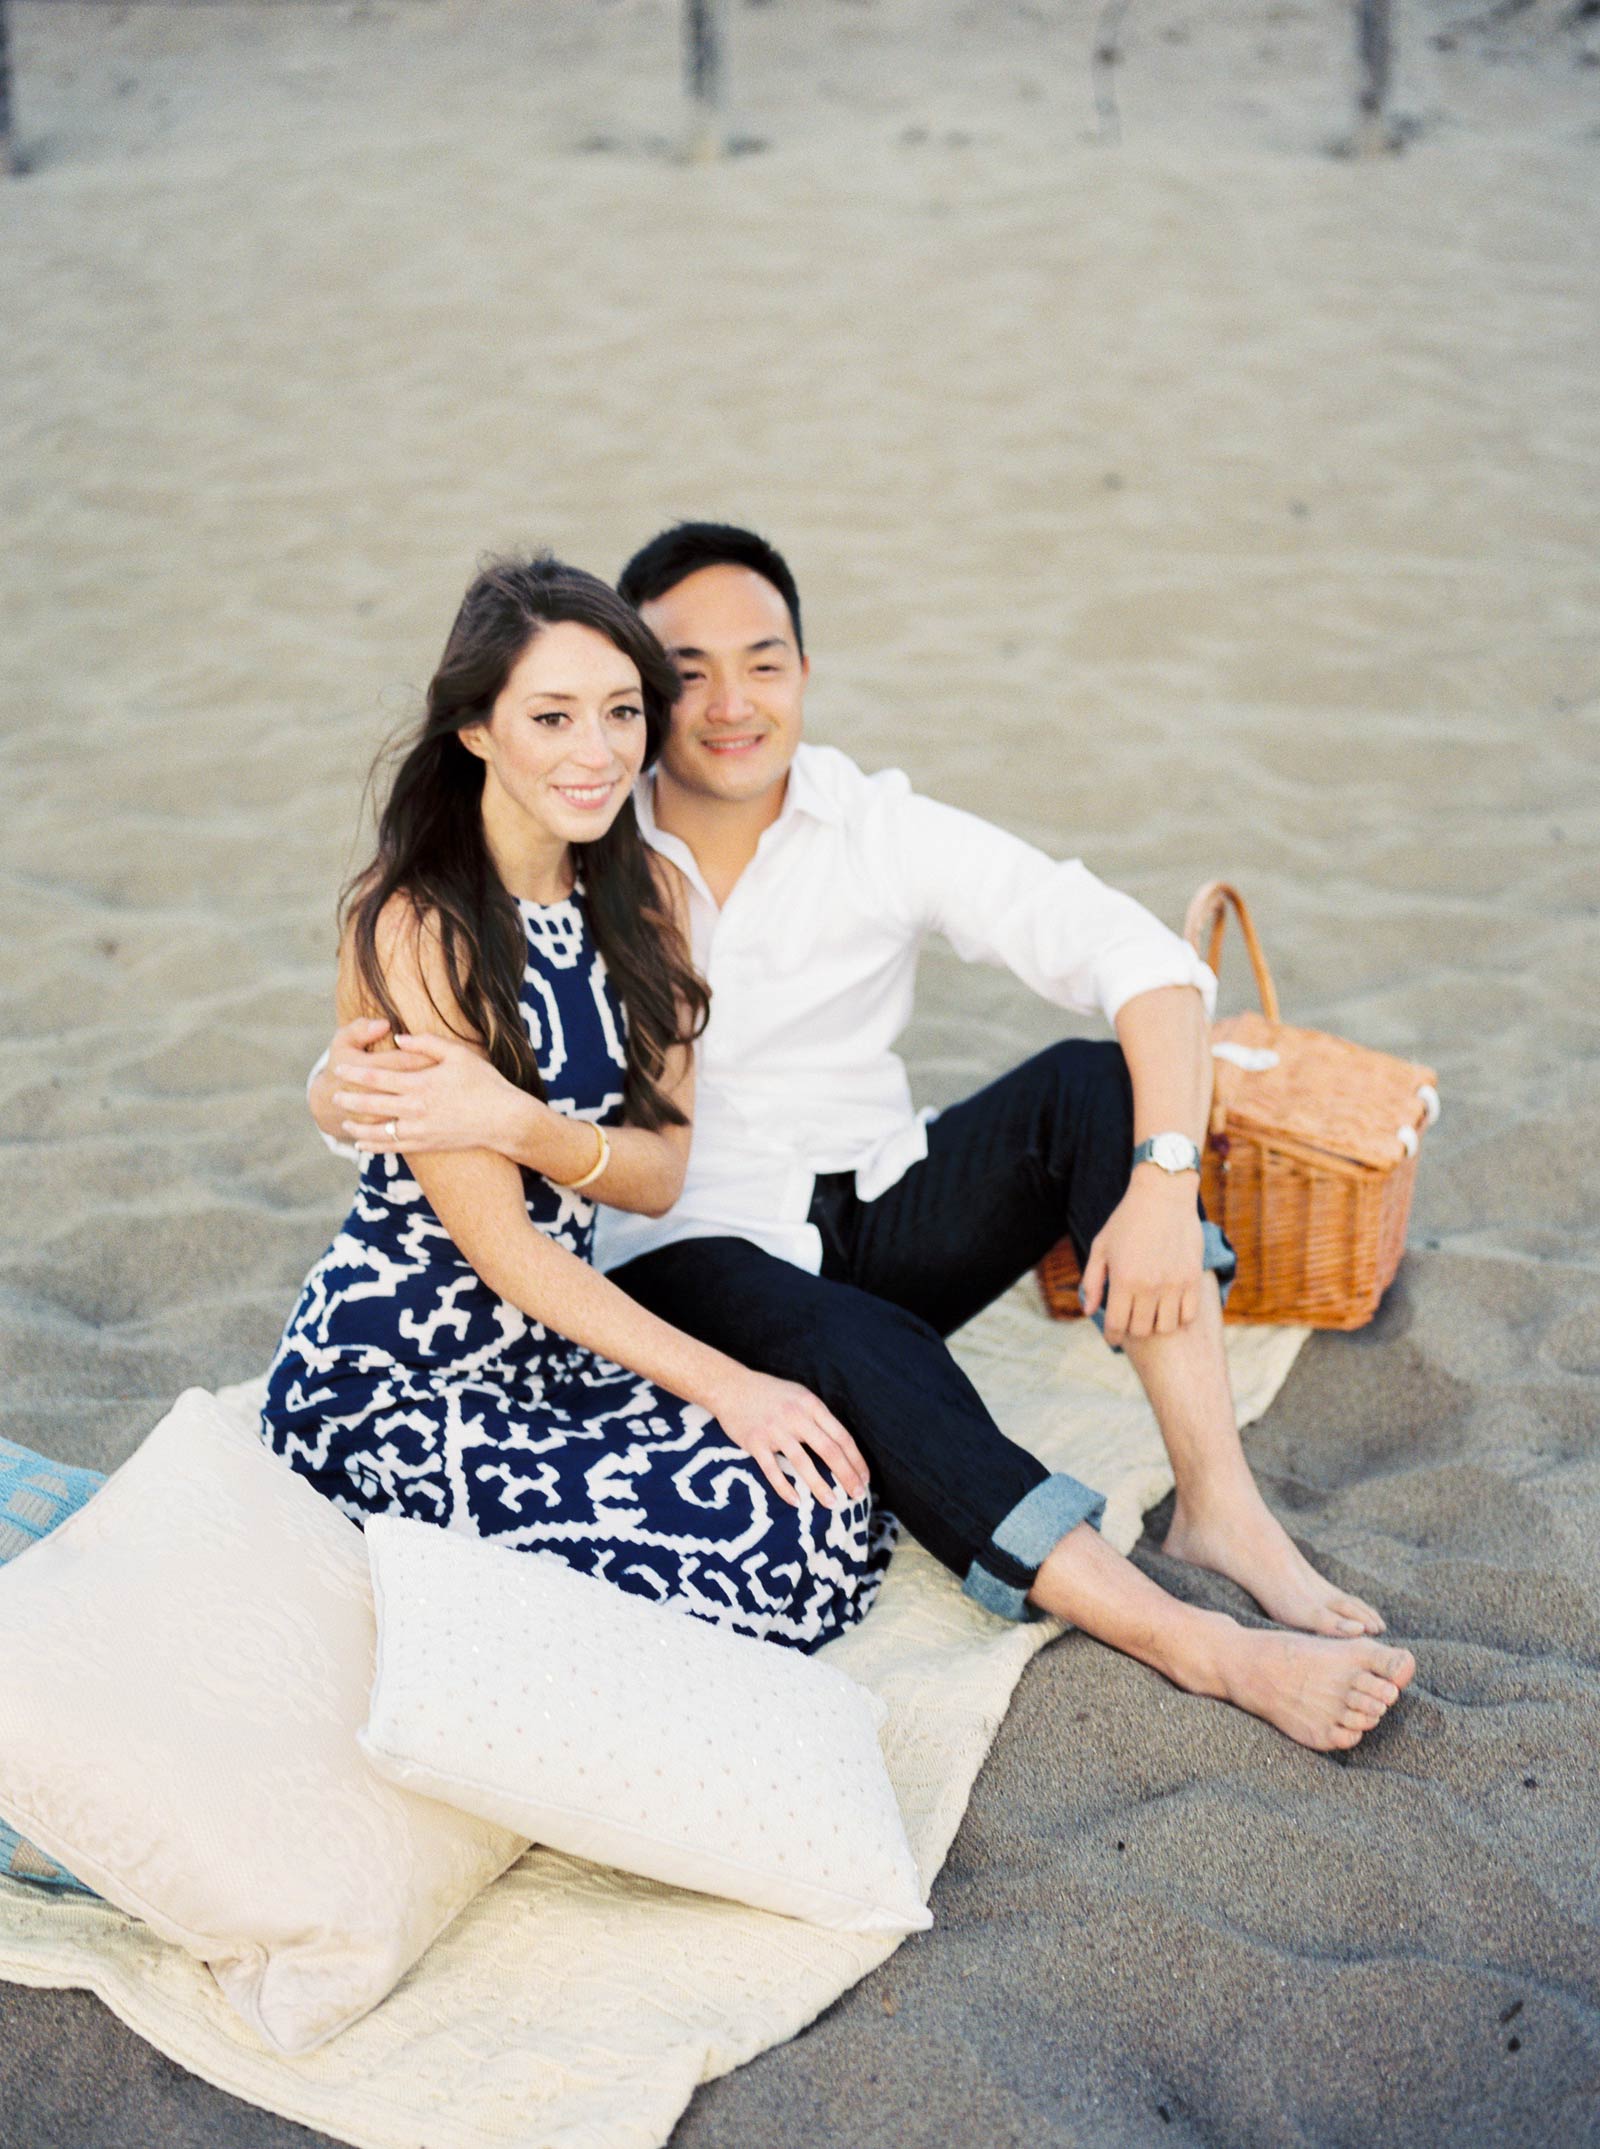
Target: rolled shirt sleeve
1049,921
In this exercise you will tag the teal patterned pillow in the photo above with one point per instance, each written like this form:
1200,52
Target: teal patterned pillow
35,1495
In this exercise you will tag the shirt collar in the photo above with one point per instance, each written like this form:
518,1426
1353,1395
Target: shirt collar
806,794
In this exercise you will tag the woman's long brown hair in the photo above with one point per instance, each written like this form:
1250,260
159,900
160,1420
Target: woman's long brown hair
432,850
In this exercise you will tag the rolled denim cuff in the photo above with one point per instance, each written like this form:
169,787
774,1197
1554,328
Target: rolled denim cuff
1219,1256
1001,1576
1216,1254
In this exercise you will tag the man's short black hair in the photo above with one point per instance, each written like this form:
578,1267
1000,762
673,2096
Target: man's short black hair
688,546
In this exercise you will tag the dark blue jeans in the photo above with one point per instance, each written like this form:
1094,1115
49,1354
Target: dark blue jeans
1044,1151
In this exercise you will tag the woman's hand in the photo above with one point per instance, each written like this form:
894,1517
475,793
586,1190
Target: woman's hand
435,1093
776,1422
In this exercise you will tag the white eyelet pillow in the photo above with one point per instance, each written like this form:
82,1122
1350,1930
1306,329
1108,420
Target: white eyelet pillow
184,1666
631,1734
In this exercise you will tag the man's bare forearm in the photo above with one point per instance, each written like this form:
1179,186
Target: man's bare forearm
1166,1040
1145,1264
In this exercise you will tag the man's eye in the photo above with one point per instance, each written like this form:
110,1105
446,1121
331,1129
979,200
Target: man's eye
690,678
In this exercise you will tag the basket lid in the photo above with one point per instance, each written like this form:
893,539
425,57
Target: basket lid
1322,1091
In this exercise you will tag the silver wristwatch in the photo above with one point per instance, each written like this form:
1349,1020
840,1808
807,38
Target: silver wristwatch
1170,1152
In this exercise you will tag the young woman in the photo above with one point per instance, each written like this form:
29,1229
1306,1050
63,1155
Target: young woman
453,1355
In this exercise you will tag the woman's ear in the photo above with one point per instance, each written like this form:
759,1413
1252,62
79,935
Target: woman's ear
471,737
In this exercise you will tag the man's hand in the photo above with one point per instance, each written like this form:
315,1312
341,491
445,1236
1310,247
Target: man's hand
429,1095
363,1035
1148,1260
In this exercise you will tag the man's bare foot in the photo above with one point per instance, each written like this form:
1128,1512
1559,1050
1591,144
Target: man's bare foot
1325,1694
1245,1541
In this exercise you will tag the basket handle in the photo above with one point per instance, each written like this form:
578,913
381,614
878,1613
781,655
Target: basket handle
1209,911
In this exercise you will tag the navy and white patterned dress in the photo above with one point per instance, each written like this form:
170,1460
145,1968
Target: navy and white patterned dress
404,1385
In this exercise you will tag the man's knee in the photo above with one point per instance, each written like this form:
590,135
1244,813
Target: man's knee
725,1291
1091,1067
1086,1095
853,1336
781,1319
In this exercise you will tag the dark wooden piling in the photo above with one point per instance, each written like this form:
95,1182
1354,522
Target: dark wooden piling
8,146
703,45
1375,58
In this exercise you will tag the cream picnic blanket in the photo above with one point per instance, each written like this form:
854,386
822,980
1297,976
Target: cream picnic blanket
571,2007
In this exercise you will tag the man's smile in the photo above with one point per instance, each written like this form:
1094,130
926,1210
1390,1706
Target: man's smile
739,742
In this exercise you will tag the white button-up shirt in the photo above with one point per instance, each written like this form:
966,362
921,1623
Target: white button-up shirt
812,966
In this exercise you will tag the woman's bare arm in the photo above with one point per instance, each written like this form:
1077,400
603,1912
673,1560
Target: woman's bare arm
477,1196
442,1095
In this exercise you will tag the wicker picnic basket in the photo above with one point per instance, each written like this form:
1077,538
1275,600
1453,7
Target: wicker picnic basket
1310,1157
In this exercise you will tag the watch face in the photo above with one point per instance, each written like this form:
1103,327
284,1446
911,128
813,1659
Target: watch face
1172,1152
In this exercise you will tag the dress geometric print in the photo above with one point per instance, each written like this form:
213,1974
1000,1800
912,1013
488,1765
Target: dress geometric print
404,1385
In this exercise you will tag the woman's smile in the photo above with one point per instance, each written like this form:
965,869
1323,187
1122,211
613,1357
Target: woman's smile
587,798
564,740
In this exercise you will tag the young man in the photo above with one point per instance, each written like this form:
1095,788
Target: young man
827,1233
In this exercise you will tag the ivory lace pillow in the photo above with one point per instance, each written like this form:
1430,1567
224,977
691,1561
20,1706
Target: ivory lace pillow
184,1665
632,1734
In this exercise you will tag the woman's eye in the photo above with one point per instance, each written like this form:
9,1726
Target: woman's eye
627,711
551,717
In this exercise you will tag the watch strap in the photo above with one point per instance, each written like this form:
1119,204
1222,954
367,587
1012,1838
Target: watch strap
1146,1153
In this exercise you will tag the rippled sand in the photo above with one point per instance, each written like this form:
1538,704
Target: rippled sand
1193,501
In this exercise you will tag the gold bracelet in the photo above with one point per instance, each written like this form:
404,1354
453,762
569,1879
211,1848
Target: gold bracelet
602,1159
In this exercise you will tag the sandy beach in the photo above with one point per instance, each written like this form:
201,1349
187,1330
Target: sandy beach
1176,492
